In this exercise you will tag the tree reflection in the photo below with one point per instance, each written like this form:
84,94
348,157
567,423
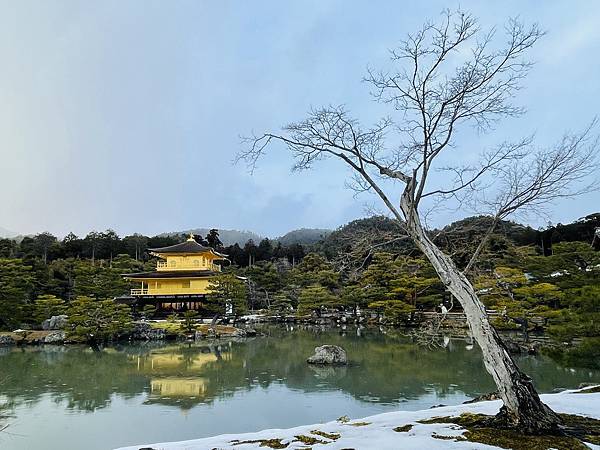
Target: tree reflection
383,368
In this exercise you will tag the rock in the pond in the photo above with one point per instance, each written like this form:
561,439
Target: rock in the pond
6,340
328,354
484,398
55,323
513,346
55,337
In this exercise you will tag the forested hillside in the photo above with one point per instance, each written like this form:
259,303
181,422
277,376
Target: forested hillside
228,237
304,236
541,280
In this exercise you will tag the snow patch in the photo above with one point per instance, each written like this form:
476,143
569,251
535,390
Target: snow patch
377,432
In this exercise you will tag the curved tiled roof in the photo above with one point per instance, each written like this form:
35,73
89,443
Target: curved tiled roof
189,246
173,274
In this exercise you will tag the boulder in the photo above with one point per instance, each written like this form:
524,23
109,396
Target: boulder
6,340
55,323
484,398
512,346
328,354
145,332
55,337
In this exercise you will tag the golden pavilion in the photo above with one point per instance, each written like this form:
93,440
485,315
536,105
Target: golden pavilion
183,276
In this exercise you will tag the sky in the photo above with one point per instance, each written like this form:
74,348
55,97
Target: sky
128,114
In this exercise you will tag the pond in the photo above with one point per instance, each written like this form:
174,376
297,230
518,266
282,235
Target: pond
70,398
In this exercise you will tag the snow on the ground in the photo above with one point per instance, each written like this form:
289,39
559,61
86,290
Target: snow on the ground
377,432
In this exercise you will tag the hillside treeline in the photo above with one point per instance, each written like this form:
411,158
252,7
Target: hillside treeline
539,280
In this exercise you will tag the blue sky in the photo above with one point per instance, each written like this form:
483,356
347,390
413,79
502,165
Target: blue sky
127,114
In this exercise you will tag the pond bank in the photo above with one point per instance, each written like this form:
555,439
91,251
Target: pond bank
394,430
142,331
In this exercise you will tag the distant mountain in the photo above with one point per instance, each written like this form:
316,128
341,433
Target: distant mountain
380,231
457,237
4,233
228,237
304,236
471,229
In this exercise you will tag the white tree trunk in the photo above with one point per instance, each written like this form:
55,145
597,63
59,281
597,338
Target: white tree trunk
522,405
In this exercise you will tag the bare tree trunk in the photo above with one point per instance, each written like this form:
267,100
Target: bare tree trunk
213,323
522,408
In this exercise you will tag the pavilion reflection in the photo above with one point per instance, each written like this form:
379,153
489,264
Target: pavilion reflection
181,375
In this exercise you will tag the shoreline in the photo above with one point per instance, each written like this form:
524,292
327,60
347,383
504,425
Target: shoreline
162,330
386,431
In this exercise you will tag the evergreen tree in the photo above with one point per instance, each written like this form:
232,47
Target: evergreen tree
46,306
16,286
96,321
226,289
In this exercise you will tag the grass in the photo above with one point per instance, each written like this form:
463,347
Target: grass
359,424
331,436
578,429
29,336
270,443
589,390
175,328
309,440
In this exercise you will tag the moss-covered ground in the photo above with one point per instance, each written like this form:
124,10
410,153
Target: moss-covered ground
175,328
577,430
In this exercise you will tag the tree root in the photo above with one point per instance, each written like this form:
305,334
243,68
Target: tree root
497,430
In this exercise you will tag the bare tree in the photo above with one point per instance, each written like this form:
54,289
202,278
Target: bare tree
360,245
444,76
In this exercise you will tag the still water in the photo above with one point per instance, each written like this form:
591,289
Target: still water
70,398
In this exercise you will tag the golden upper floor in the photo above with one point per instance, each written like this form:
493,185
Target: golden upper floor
188,255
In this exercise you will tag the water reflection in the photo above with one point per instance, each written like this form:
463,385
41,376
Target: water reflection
384,369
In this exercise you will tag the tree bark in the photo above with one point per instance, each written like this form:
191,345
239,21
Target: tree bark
213,322
522,408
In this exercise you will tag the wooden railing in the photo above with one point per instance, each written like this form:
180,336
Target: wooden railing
139,291
163,265
166,291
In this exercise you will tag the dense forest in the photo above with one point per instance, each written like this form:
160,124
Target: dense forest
545,280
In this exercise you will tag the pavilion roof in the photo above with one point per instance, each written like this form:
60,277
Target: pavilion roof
189,246
172,274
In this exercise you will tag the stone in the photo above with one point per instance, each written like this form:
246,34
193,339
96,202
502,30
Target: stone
484,398
143,331
6,340
512,346
55,337
55,323
328,354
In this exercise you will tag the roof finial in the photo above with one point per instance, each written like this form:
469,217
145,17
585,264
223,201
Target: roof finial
191,238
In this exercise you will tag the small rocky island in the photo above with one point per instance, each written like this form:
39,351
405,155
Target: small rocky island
329,354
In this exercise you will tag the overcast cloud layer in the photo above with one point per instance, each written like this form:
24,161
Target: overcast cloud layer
128,114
